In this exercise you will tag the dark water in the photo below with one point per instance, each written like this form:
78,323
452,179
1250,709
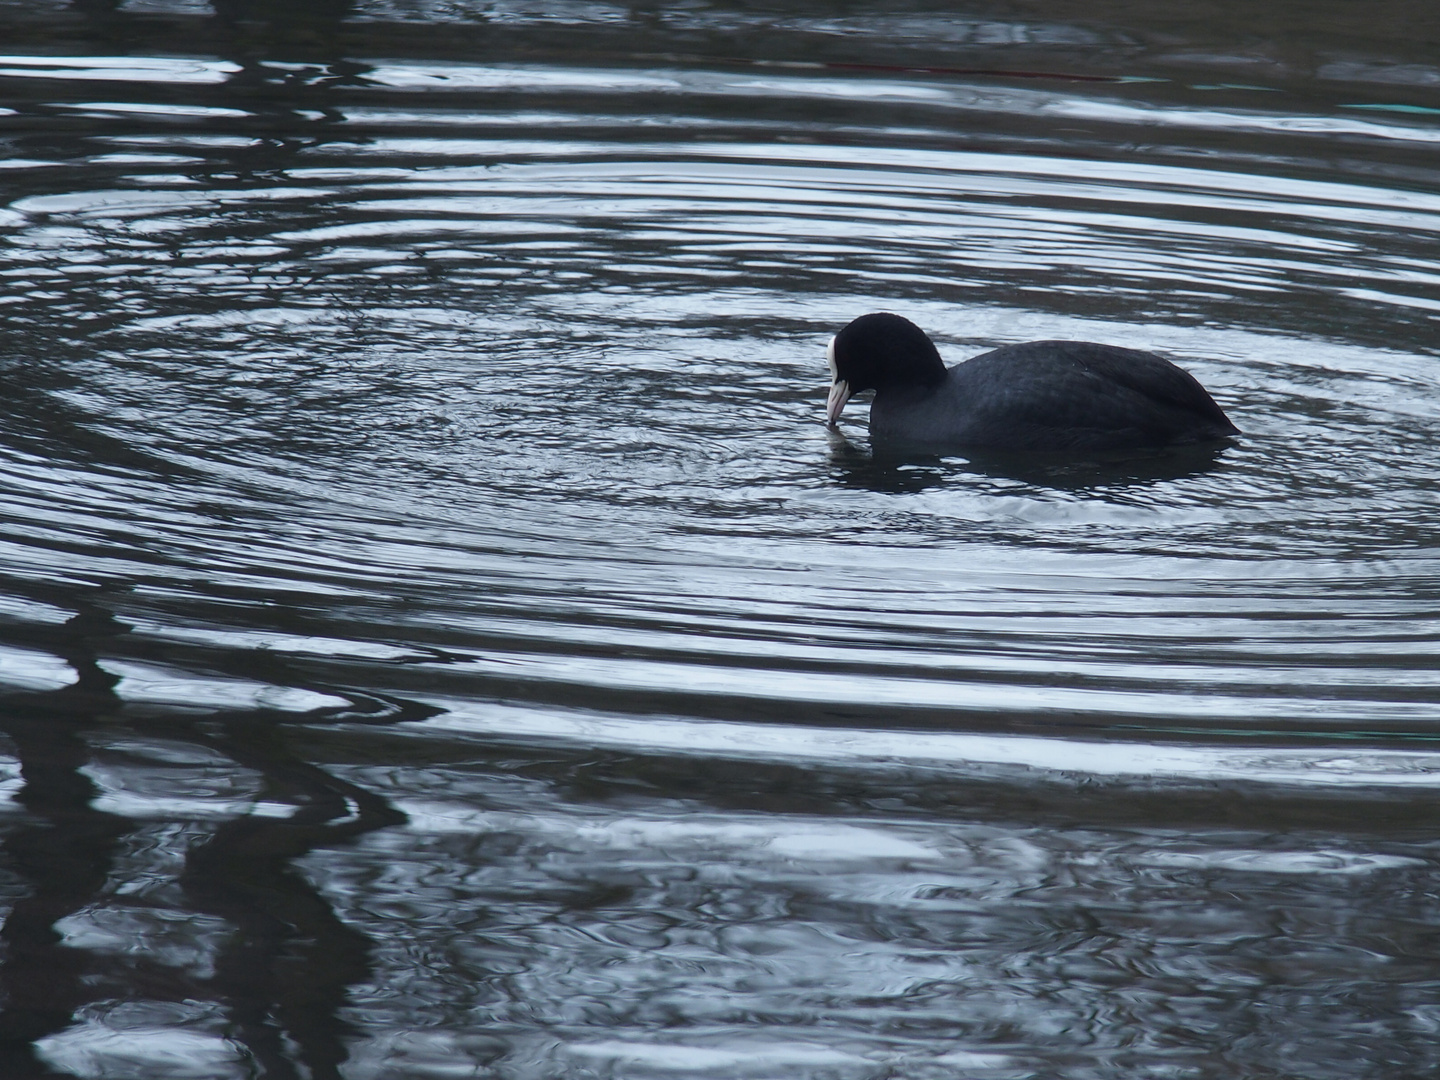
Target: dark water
440,638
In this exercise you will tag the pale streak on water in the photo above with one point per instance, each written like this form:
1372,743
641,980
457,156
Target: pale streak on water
440,637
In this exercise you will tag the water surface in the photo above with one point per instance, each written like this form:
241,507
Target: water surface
440,637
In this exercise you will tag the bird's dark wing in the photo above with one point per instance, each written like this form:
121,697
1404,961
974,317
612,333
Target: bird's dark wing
1076,394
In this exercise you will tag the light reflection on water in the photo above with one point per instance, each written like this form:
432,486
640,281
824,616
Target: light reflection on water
440,636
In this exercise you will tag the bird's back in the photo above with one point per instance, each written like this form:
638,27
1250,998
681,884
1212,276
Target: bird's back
1054,396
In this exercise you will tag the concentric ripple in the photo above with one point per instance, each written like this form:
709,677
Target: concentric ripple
440,636
562,393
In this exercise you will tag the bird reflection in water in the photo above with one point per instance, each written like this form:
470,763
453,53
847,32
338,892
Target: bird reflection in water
894,470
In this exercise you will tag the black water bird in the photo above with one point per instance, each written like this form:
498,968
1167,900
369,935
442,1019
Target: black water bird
1043,396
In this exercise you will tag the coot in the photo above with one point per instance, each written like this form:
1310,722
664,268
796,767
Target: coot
1043,396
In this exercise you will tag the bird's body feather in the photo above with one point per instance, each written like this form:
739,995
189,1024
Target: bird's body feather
1053,396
